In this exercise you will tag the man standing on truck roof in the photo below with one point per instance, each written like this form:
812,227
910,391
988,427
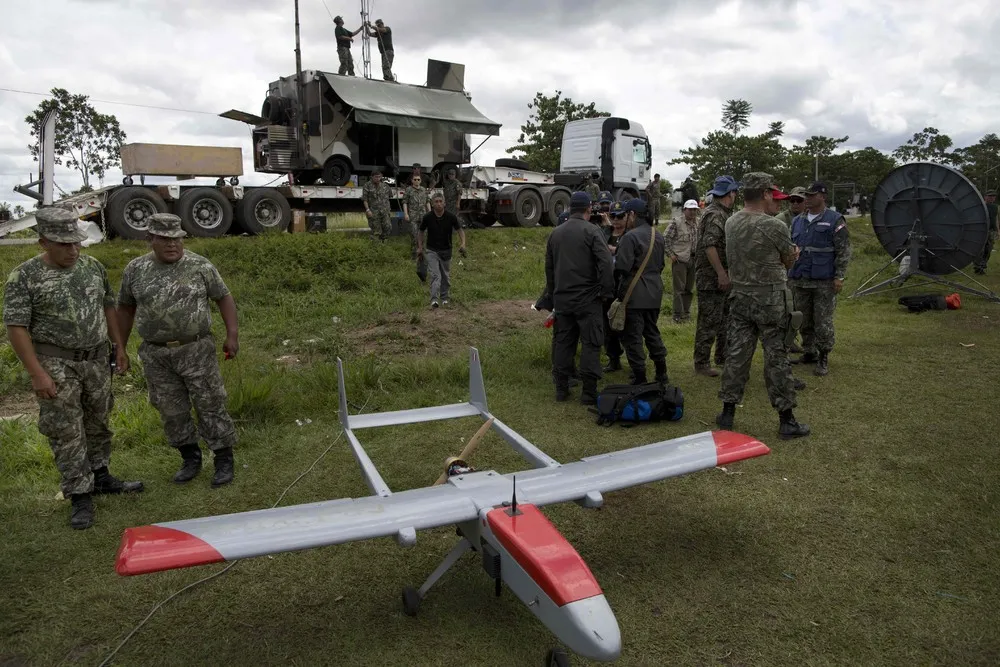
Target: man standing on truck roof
59,311
375,196
439,225
383,33
167,293
344,39
415,206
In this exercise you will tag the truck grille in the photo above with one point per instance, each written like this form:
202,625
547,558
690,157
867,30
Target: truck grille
284,150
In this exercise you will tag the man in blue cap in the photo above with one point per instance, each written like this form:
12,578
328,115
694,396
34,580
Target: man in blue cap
578,275
642,310
712,277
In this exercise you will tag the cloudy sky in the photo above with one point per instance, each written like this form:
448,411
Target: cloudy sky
877,70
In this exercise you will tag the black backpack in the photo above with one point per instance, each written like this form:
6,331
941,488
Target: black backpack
630,404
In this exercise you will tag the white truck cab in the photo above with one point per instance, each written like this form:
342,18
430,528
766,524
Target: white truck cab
616,149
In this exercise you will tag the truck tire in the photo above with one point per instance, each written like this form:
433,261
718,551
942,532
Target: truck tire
623,195
507,219
129,210
528,208
337,171
510,163
263,210
204,212
558,202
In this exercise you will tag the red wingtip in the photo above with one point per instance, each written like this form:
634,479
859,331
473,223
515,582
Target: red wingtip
154,548
731,446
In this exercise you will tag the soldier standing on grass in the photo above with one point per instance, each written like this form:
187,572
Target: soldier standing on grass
415,206
712,278
344,39
818,275
452,189
439,225
681,239
578,275
796,204
167,293
59,312
991,213
614,235
760,251
643,307
591,188
375,196
653,199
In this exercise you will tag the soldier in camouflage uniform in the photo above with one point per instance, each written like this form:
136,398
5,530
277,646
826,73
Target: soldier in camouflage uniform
711,277
796,204
167,293
376,196
591,188
818,276
416,204
760,251
59,312
452,190
653,199
344,39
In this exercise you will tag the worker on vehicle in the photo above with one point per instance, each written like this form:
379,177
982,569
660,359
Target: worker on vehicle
383,34
344,39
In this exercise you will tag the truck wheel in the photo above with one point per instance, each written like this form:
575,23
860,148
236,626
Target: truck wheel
510,163
205,212
528,208
129,210
308,177
263,210
623,195
558,202
337,171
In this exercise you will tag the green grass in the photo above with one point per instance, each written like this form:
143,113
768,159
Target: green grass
873,541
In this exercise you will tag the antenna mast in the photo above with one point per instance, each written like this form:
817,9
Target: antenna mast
299,92
366,48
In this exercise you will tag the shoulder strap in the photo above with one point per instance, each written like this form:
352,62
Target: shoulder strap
642,267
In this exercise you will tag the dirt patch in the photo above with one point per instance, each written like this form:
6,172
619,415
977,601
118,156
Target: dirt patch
445,329
20,403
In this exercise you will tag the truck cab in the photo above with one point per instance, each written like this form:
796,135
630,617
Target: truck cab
615,149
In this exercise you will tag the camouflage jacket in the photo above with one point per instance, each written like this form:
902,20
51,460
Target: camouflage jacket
681,239
594,191
416,202
171,300
63,307
377,196
711,234
755,244
786,217
452,190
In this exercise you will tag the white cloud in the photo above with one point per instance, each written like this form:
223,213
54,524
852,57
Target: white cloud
875,70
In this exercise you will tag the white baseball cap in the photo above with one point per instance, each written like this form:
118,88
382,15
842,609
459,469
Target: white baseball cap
690,203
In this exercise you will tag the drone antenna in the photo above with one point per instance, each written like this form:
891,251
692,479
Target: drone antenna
513,511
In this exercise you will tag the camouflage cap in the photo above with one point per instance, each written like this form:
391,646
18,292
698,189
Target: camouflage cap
758,180
166,224
798,191
59,225
991,193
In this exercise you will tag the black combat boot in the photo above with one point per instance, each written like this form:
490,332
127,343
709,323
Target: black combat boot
614,364
191,465
661,371
798,384
562,392
822,364
807,358
789,428
107,484
574,379
82,513
223,467
638,375
724,420
588,395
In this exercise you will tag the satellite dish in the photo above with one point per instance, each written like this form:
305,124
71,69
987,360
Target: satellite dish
932,220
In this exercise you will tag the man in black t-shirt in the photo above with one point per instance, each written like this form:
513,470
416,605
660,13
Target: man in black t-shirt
383,34
344,39
439,225
994,231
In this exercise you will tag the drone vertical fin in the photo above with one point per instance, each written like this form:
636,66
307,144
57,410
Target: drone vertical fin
477,388
342,394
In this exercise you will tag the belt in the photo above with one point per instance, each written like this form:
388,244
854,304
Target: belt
815,249
759,289
97,352
177,343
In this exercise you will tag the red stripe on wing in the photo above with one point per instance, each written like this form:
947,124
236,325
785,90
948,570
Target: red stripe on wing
544,553
731,447
153,548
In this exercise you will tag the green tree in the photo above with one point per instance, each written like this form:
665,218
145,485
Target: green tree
85,140
928,145
736,115
799,167
540,142
981,162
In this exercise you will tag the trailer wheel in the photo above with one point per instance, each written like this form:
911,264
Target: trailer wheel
558,202
129,210
263,210
205,212
528,208
337,171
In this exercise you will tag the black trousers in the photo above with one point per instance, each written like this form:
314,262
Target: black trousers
612,338
586,327
640,325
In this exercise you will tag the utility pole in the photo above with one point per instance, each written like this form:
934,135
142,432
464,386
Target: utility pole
817,167
299,92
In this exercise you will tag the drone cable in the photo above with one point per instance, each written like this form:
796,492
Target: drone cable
221,572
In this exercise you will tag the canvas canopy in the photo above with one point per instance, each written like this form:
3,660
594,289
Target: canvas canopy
413,107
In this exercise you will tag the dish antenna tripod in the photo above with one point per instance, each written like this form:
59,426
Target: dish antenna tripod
933,221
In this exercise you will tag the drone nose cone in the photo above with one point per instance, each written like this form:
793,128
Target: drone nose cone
597,635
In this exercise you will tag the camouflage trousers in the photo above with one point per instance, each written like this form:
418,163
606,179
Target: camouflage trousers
753,317
980,262
76,420
346,61
654,211
183,377
387,66
817,305
713,311
379,223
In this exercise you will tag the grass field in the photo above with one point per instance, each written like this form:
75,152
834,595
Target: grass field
873,541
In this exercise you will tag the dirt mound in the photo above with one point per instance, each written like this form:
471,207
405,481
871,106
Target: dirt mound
446,329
